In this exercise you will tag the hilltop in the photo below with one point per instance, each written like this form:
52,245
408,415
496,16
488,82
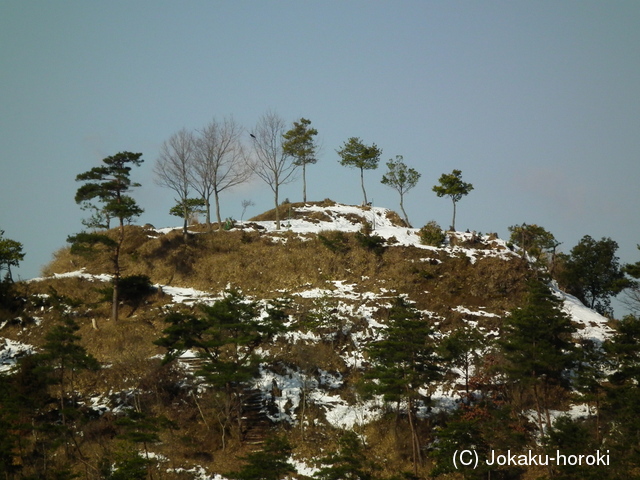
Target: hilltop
336,272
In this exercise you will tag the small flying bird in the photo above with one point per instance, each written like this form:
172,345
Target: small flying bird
252,135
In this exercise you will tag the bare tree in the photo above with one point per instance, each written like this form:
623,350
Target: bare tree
219,162
273,164
174,169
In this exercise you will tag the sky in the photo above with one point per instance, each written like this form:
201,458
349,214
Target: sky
536,102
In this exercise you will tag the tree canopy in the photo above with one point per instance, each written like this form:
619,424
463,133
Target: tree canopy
592,272
273,164
301,145
108,185
11,255
355,154
401,178
452,186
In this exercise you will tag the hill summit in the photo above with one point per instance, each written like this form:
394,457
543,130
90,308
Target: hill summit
249,333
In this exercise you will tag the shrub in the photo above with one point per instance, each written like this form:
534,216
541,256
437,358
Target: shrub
432,234
373,243
133,289
336,241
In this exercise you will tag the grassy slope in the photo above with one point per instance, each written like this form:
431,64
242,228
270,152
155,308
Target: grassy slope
264,268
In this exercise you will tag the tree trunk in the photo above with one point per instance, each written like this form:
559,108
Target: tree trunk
275,191
207,204
406,218
115,300
218,217
185,226
538,409
453,222
304,182
362,183
116,275
415,444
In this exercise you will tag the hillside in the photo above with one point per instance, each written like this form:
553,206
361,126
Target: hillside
336,274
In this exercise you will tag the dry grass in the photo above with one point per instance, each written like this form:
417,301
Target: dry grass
262,266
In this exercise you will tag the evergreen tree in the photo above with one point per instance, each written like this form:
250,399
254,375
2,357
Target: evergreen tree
270,463
140,429
537,346
402,179
482,427
452,186
403,363
191,207
63,355
300,144
109,185
463,349
623,395
572,437
133,290
593,273
356,154
589,378
632,299
128,465
349,462
226,339
10,256
534,240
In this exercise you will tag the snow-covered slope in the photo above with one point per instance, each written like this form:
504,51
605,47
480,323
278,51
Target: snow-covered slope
354,319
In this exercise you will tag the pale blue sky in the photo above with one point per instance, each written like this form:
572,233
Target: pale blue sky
536,102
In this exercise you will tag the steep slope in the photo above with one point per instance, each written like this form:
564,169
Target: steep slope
339,268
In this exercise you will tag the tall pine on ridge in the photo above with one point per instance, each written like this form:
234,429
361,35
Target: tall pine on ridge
109,185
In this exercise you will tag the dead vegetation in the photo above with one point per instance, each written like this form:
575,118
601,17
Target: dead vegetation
263,266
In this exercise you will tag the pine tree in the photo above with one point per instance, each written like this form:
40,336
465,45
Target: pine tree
622,402
402,179
593,273
349,462
632,299
452,186
356,154
63,355
463,349
109,185
11,255
535,241
270,463
191,207
481,427
300,144
225,338
537,345
403,363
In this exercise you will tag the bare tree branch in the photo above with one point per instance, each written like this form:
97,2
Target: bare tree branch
174,168
219,162
272,165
